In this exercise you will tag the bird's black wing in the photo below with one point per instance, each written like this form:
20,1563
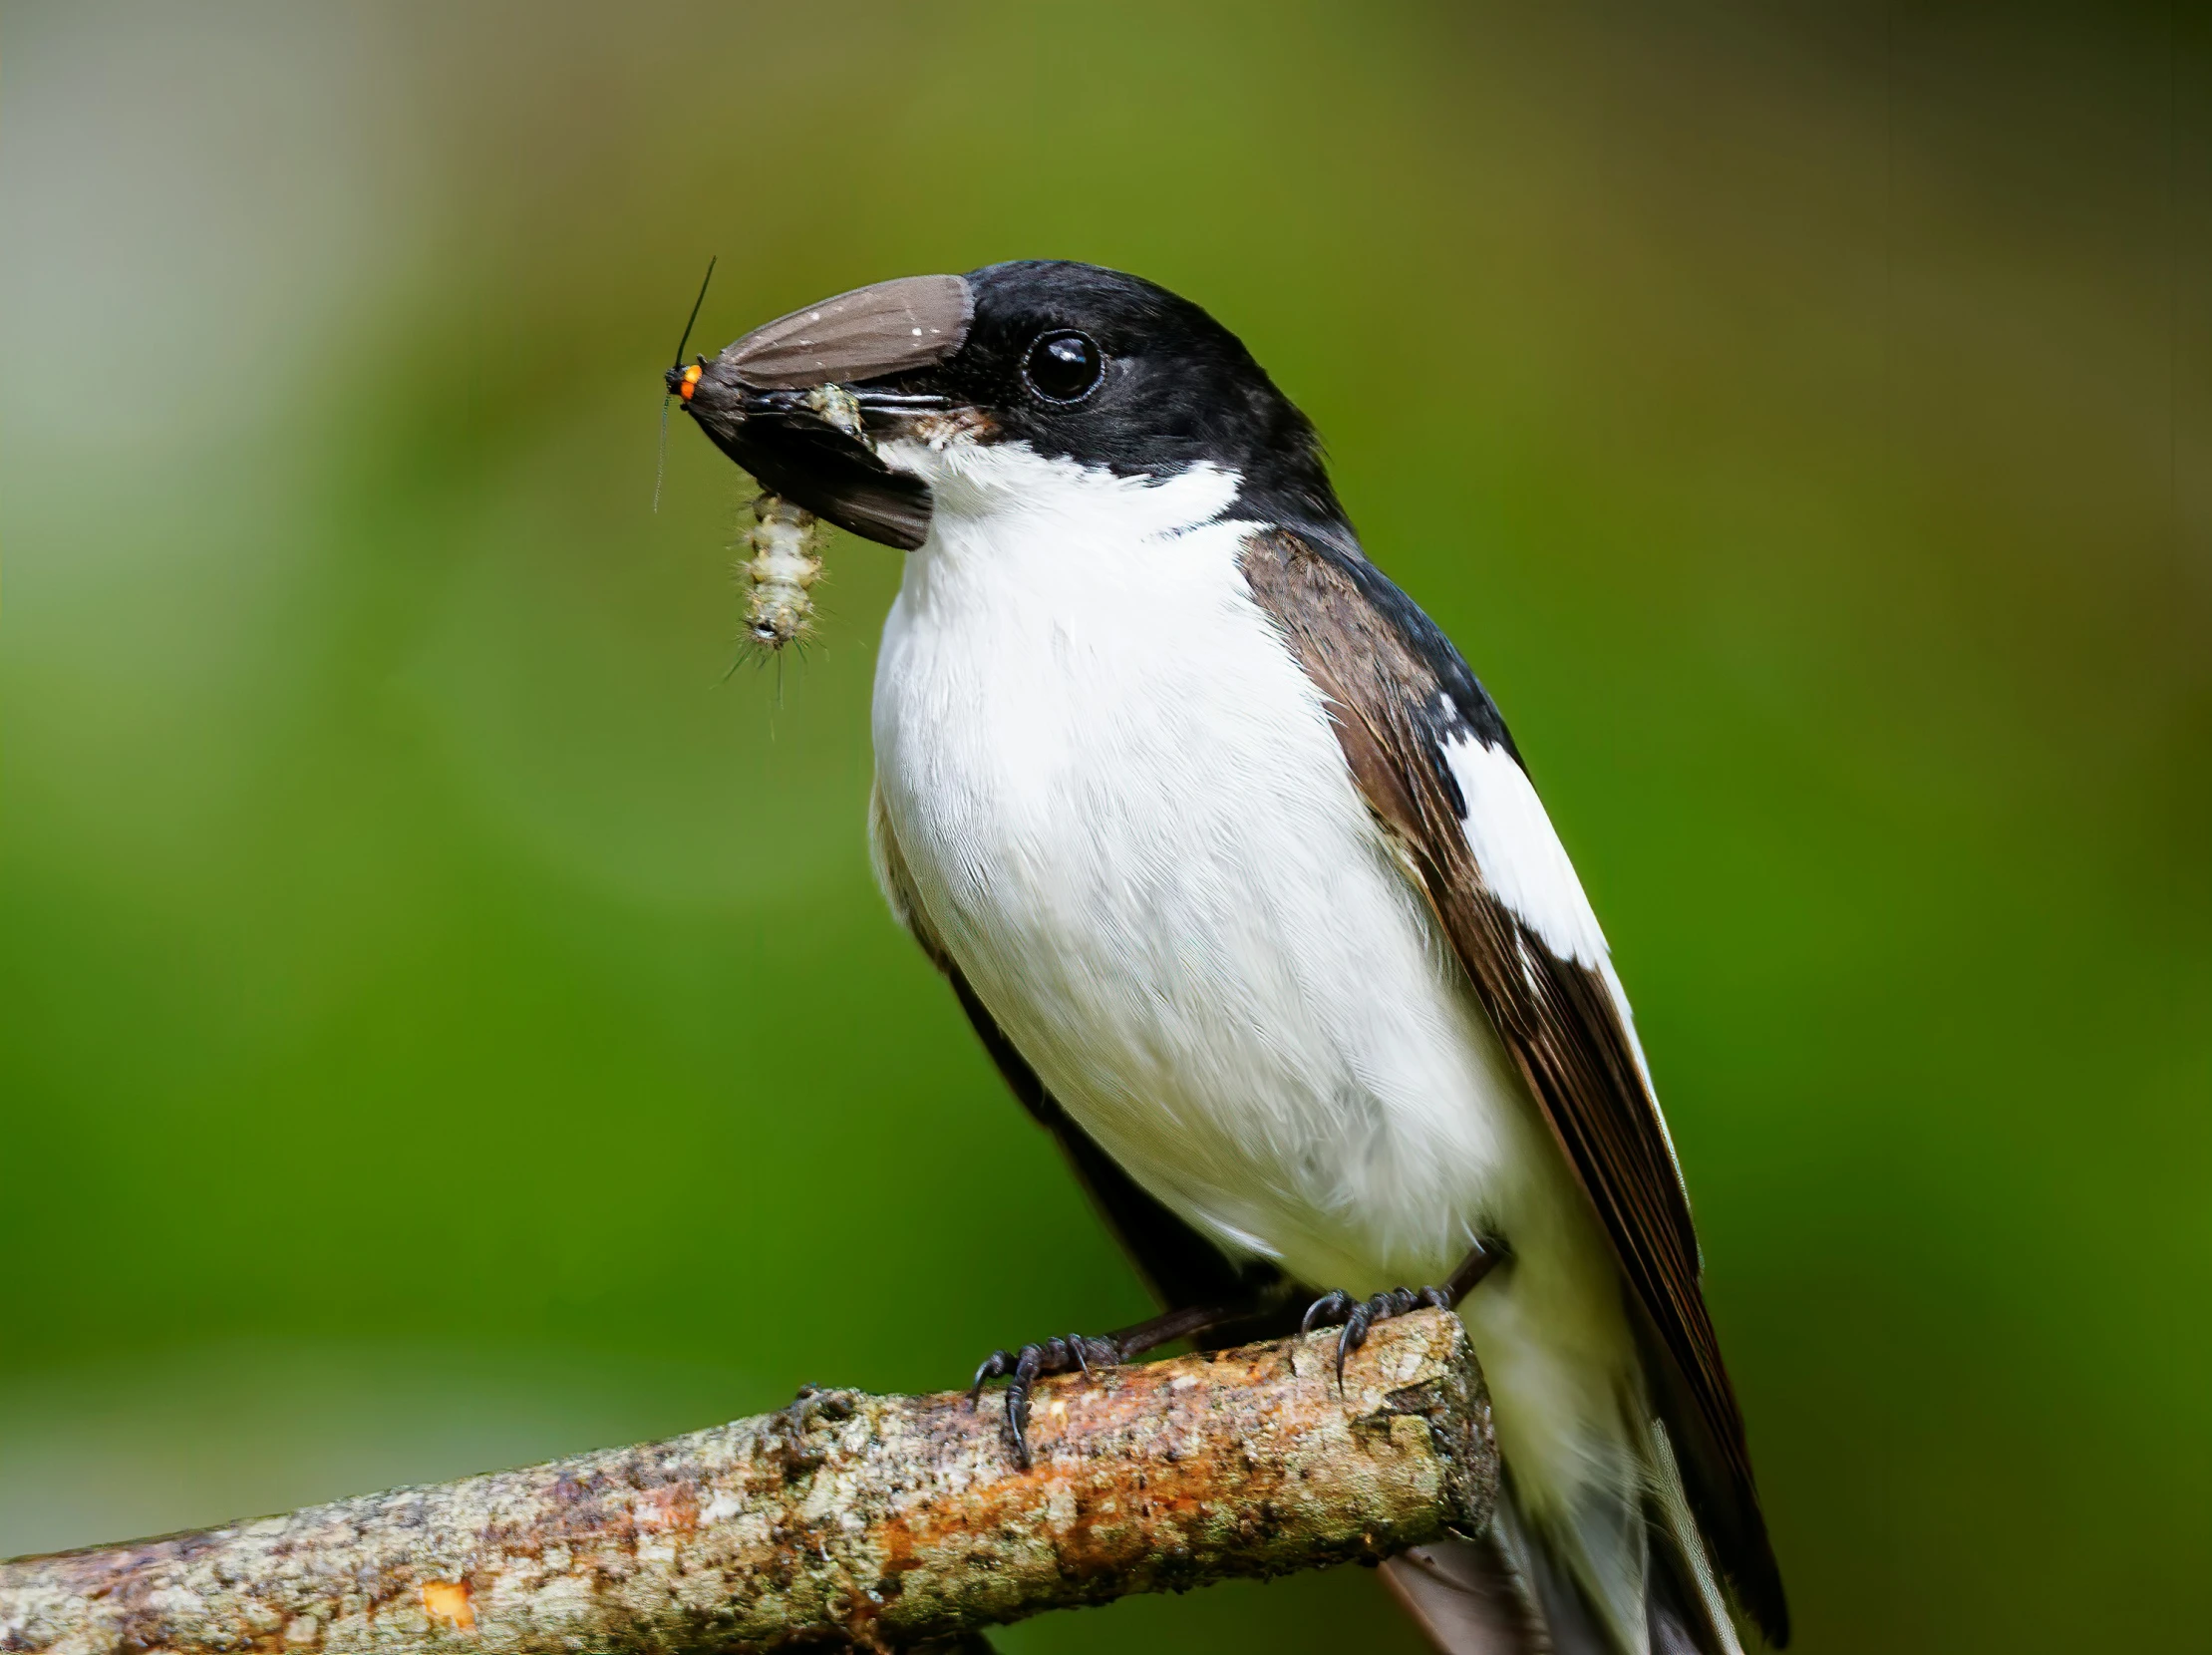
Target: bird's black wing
1183,1269
1404,704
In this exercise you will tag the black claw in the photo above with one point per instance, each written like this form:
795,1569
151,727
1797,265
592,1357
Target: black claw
1026,1370
1353,1334
995,1366
1333,1306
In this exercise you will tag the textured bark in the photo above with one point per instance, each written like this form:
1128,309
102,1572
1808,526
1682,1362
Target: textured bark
881,1522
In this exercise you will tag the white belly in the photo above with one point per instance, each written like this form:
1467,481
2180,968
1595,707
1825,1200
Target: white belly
1126,814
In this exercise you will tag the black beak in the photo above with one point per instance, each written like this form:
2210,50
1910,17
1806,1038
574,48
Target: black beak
754,400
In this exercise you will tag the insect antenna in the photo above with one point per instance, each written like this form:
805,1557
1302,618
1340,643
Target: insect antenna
660,459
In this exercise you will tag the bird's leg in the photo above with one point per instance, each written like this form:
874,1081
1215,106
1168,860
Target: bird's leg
1338,1308
1021,1368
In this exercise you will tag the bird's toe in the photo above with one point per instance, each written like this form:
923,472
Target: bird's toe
1023,1368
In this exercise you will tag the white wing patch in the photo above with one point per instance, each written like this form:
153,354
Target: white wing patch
1521,859
1526,868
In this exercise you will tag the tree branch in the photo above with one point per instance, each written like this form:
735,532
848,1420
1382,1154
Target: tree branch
877,1521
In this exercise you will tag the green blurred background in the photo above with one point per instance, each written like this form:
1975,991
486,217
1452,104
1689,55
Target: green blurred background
445,1021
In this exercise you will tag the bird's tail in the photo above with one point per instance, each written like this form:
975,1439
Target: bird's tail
1516,1591
1469,1597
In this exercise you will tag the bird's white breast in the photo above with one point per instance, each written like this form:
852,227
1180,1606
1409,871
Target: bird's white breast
1126,814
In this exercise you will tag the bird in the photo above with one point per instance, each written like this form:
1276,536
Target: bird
1240,878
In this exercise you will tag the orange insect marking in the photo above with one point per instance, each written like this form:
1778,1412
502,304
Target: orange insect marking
691,380
448,1600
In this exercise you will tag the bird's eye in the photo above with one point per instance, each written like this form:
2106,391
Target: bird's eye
1064,365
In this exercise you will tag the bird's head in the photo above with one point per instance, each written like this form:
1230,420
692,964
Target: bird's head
1068,364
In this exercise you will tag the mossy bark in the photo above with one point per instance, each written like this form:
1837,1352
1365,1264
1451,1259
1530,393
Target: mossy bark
881,1522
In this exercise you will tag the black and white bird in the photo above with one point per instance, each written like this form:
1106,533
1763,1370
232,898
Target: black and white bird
1240,878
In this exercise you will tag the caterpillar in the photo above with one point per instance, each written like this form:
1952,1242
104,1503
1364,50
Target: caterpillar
786,543
785,546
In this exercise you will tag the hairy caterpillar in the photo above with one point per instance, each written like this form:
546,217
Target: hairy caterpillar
786,562
786,543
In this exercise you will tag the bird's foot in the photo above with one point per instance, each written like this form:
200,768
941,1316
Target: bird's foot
1353,1317
1022,1368
1338,1308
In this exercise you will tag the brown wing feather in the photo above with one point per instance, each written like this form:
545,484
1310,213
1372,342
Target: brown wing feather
1395,691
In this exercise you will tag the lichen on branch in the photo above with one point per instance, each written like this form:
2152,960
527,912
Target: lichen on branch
882,1523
